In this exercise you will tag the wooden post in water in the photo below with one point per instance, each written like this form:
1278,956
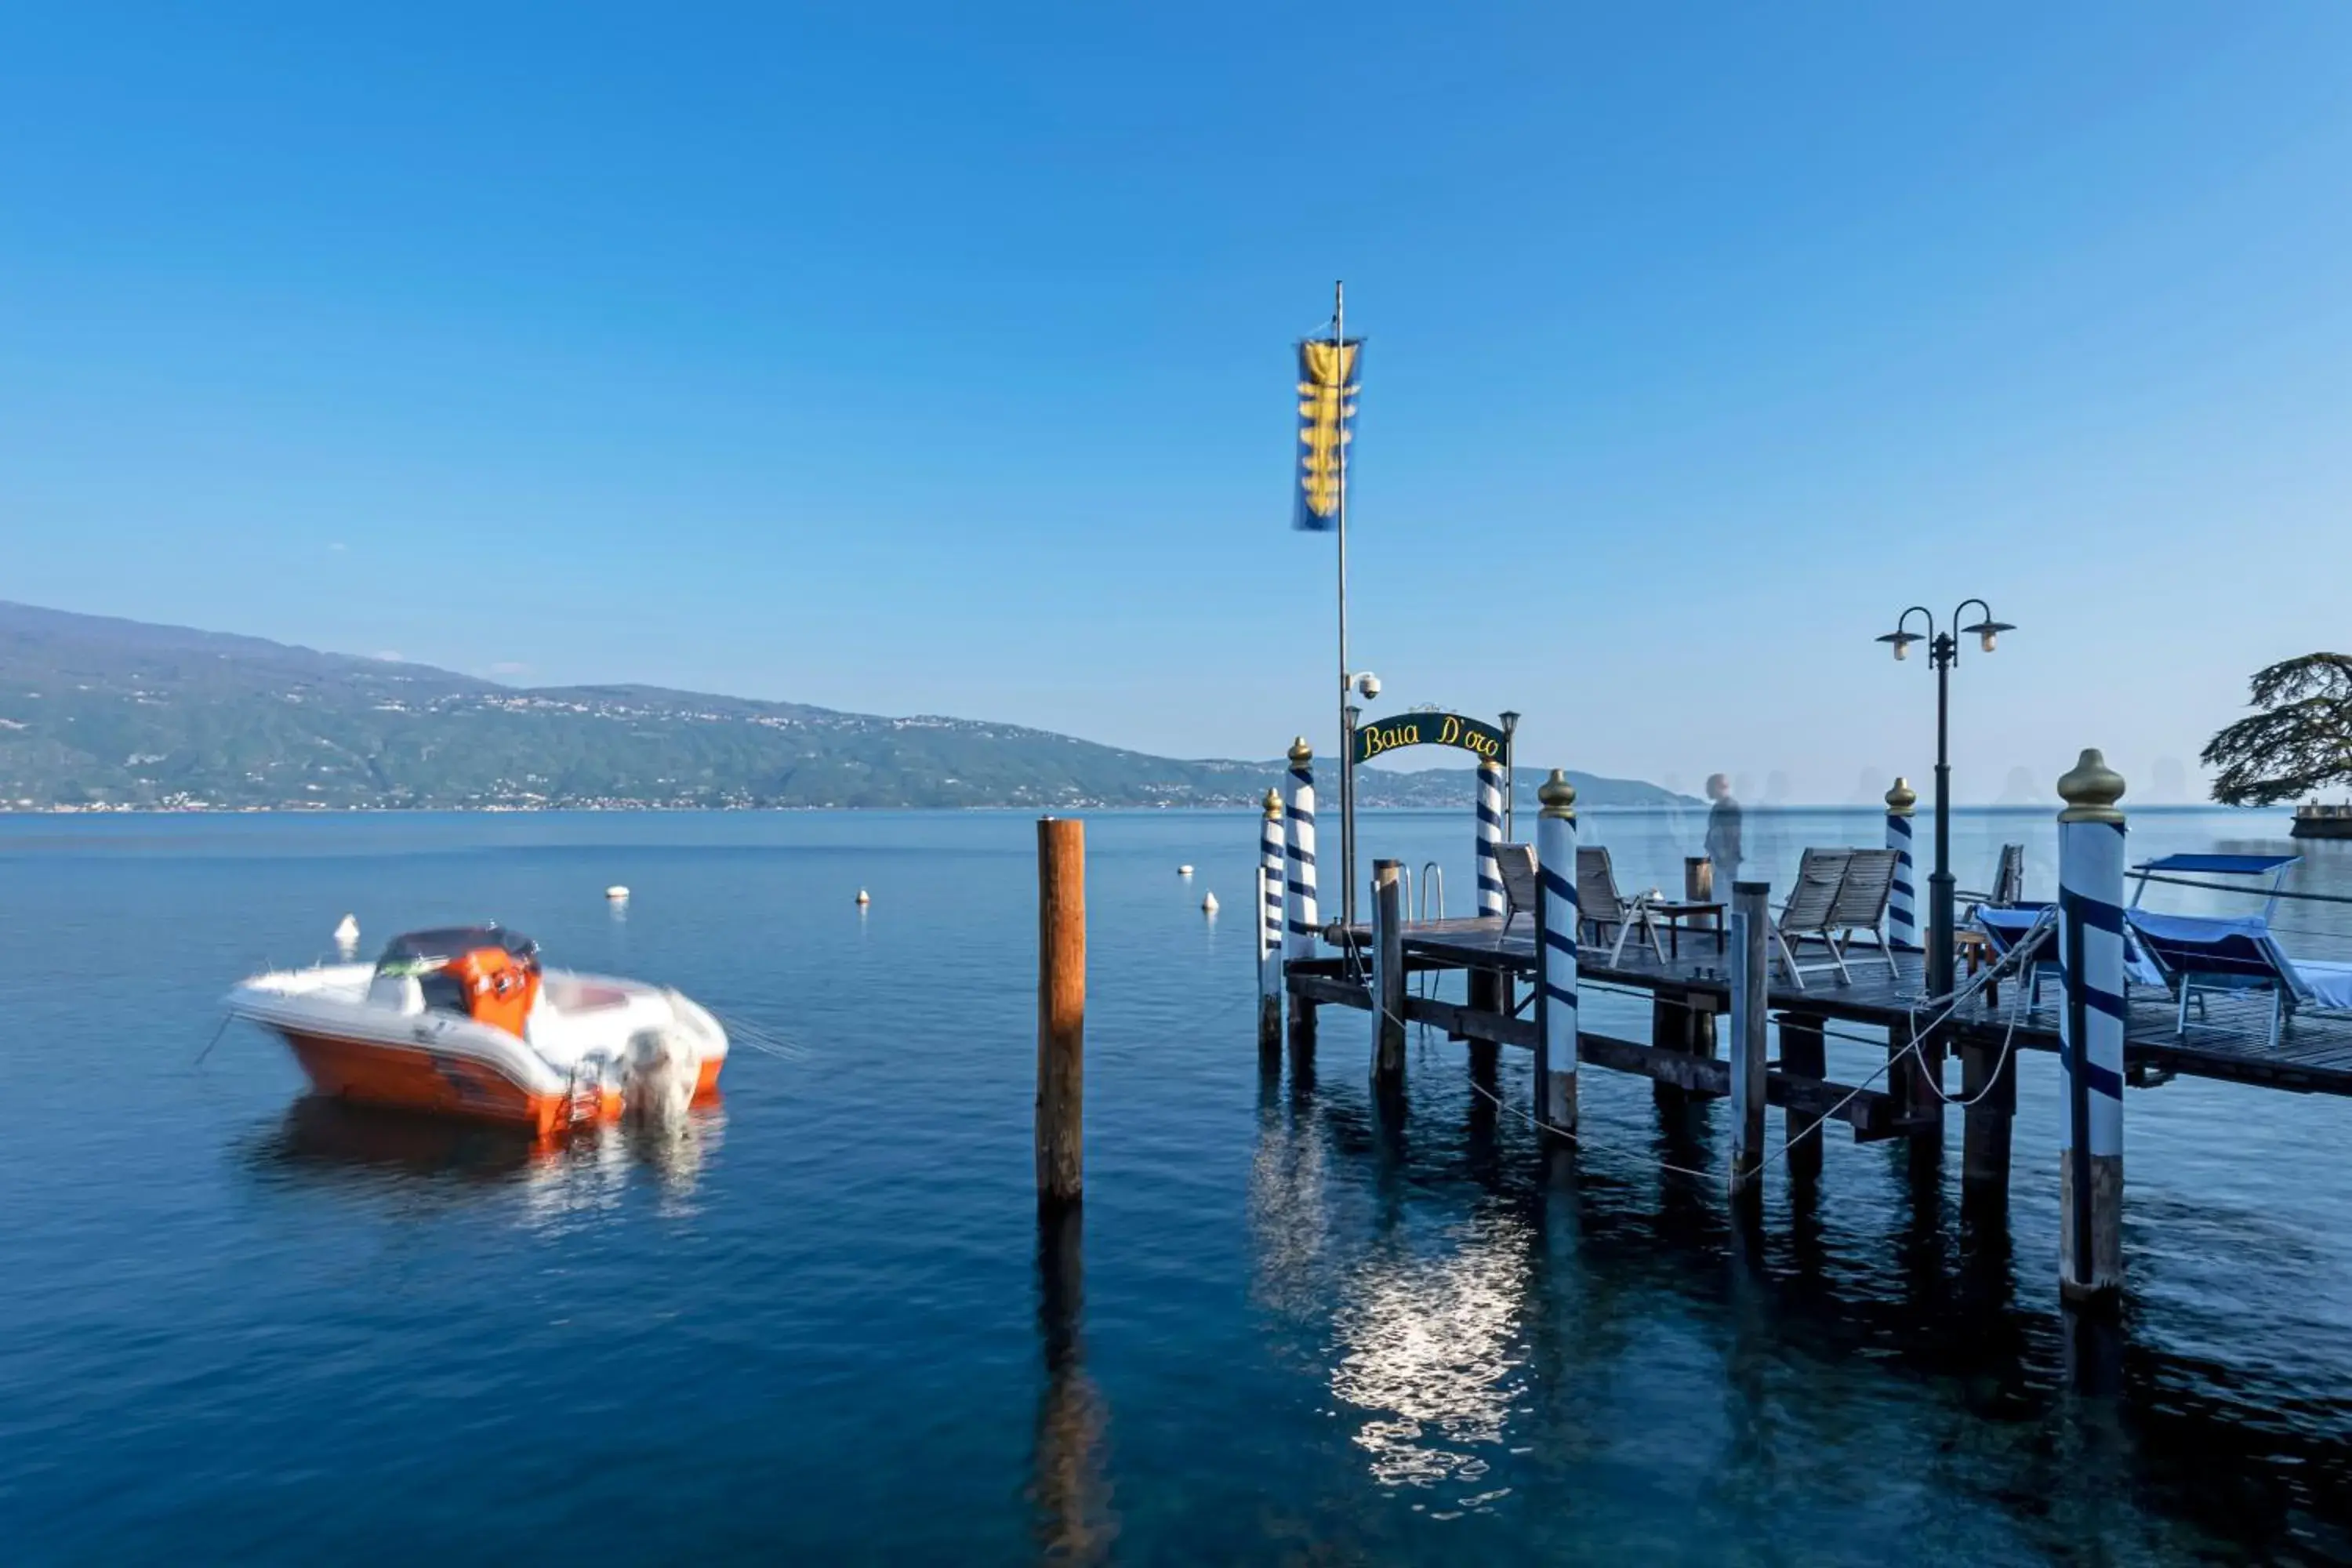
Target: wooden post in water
1986,1120
1388,973
2091,1030
1270,901
1751,918
1555,929
1803,1054
1061,1009
1301,920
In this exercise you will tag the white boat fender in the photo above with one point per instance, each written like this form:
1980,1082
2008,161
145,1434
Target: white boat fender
347,933
1208,905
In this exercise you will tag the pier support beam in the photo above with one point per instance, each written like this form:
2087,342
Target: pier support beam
1752,916
2091,1030
1555,927
1803,1054
1061,1009
1271,882
1388,974
1988,1082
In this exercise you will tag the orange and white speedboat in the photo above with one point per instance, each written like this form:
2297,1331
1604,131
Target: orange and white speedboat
465,1021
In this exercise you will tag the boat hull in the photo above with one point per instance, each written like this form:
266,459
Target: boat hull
451,1066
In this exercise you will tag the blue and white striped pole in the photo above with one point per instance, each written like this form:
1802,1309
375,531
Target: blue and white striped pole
1555,929
1269,928
1902,904
2091,1030
1490,837
1301,880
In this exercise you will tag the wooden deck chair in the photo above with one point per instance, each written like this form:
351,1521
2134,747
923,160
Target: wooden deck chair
1600,906
1521,888
1861,903
1808,910
2007,883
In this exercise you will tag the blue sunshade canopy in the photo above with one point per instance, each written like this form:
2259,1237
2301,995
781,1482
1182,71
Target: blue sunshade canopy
2220,865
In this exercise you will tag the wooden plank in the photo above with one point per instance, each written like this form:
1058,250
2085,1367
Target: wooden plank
1341,992
1471,1023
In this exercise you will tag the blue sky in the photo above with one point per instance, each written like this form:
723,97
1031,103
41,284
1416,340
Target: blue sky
935,358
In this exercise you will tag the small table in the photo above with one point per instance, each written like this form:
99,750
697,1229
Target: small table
1975,947
1679,912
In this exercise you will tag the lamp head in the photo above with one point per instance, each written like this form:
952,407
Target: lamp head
1511,720
1985,631
1902,641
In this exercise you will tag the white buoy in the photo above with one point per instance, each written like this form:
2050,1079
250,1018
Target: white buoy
1184,870
1208,905
347,933
862,899
617,893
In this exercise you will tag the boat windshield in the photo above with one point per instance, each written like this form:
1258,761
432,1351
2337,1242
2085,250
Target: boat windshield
420,951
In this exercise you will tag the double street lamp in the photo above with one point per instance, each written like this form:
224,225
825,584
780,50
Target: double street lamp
1943,652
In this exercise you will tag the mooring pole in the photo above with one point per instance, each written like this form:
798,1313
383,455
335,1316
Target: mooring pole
1751,918
1061,1009
1903,903
1300,812
1270,881
2091,1035
1388,973
1556,928
1490,839
1803,1054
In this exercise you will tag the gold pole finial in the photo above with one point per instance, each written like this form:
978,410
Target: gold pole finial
1558,796
1301,753
2091,789
1902,797
1273,802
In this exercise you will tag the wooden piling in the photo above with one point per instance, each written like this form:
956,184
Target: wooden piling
1388,973
1061,1009
1557,1013
1985,1124
1803,1054
2091,1031
1750,932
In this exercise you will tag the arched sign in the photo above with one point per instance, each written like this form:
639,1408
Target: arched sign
1481,739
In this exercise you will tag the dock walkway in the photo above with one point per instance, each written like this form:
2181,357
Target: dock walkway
2314,1054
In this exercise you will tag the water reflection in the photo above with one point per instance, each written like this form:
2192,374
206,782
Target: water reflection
1428,1349
436,1158
1502,1332
1068,1492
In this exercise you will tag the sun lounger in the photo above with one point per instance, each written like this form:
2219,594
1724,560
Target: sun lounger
2200,955
1520,886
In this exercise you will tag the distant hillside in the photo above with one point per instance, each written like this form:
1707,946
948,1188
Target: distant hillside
101,712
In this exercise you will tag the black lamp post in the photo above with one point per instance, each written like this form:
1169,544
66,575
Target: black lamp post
1510,772
1943,652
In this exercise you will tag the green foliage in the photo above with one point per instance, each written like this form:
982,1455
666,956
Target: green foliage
2300,741
97,711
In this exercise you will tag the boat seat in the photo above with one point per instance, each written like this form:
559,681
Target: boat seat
401,992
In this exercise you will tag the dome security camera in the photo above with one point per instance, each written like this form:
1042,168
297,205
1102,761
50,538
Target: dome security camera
1368,684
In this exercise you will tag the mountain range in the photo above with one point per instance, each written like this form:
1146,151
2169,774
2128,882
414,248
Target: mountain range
98,714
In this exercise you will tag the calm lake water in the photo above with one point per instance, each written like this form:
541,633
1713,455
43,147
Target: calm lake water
239,1325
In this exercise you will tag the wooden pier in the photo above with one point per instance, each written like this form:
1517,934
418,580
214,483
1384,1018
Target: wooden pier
2314,1055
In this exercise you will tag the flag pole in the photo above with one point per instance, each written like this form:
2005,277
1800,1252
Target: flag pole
1347,739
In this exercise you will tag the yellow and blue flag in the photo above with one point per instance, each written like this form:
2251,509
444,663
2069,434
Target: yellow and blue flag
1329,377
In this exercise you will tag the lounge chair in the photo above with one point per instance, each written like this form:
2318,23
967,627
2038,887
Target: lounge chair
2005,928
1521,886
1861,904
2007,883
1812,903
1600,906
2199,955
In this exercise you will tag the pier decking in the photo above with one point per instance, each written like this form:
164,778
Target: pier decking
2312,1055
